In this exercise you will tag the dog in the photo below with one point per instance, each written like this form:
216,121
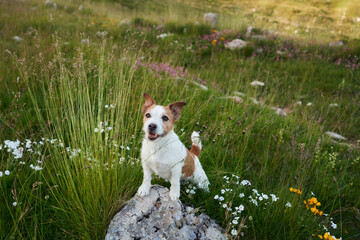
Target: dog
164,154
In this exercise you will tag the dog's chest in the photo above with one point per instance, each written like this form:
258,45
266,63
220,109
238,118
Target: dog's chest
163,159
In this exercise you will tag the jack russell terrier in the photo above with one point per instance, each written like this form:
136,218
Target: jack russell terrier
163,153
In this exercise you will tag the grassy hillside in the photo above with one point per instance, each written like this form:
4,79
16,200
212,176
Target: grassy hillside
72,78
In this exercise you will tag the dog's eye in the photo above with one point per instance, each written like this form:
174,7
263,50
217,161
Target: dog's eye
165,118
148,115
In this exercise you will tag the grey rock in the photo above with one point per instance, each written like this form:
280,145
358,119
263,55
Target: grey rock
235,44
155,216
211,19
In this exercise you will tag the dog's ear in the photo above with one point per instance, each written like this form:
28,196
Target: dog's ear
176,108
148,102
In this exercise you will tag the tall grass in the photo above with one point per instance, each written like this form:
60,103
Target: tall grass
79,102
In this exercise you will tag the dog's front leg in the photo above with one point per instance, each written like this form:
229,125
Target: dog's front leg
175,184
144,189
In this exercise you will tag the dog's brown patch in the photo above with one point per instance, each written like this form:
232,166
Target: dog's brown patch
149,102
176,108
147,110
169,125
195,150
189,166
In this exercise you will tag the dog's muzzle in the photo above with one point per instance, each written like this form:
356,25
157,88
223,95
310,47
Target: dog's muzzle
152,132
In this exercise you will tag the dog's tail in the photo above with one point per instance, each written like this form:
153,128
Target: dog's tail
196,144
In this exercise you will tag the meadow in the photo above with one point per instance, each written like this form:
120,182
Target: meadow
72,75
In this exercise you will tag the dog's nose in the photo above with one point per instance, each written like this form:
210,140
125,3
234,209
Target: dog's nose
152,126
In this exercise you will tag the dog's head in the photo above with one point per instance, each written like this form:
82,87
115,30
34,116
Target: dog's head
159,120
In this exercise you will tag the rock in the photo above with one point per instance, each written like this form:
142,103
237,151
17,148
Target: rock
48,3
335,135
101,34
281,53
279,111
235,44
240,93
236,99
211,19
125,22
336,44
160,27
17,38
164,35
259,37
155,216
257,83
203,87
249,31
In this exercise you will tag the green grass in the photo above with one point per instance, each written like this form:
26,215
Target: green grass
55,85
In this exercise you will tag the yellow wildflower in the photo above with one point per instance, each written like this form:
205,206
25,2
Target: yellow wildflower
318,204
214,31
222,38
320,236
314,200
214,42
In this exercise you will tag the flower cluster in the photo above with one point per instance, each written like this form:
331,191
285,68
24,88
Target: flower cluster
236,190
294,190
312,203
328,236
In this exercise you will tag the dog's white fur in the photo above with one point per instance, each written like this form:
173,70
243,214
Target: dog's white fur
166,155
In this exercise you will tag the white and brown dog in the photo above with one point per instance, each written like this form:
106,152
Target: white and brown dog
163,153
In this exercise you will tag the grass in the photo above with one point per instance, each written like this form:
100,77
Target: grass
75,92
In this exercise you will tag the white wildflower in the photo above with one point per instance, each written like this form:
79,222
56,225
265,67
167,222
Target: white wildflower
7,172
241,208
265,196
288,204
245,182
333,225
96,130
1,174
224,205
309,104
14,204
235,222
274,198
221,198
106,106
234,232
241,195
